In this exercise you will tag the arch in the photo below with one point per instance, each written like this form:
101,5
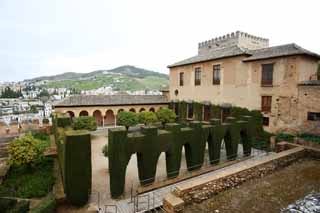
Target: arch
109,118
120,110
98,116
132,110
151,109
84,113
142,109
71,114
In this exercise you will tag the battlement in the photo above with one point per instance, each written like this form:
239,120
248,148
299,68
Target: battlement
240,39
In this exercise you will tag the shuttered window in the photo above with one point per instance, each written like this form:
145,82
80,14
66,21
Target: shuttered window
197,76
181,78
216,74
266,103
267,75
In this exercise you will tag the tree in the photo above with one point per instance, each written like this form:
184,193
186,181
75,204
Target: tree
147,118
33,109
166,115
9,93
85,122
127,119
25,150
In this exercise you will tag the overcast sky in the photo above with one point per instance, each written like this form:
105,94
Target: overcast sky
46,37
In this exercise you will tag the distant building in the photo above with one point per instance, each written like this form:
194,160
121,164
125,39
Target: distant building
242,70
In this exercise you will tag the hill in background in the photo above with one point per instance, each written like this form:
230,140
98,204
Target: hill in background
122,78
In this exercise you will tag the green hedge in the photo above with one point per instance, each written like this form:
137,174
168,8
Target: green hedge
47,205
151,142
74,146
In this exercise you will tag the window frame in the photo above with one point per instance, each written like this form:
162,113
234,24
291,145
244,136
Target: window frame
313,116
181,79
266,76
197,82
214,70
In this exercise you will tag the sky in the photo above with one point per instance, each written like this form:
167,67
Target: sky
48,37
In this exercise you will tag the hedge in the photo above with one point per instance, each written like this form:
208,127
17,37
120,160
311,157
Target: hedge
47,205
73,146
150,142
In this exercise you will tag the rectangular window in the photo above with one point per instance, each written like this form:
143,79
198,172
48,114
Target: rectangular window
266,103
267,75
313,116
206,112
197,76
190,111
216,74
181,78
265,121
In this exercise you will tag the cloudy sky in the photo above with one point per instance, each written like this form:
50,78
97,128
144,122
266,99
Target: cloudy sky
46,37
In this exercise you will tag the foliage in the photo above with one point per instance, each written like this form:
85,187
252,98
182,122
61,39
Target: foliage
166,115
263,141
147,118
25,150
85,122
7,203
197,107
28,182
310,137
33,109
284,137
47,205
9,93
21,207
105,150
127,119
45,120
44,93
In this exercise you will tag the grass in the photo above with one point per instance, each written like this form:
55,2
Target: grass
29,182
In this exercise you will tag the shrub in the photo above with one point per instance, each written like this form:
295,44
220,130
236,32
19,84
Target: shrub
85,122
25,150
127,119
7,203
105,150
21,207
45,121
47,205
166,115
284,137
147,118
310,137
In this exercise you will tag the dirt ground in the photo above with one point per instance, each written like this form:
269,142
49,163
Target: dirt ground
268,194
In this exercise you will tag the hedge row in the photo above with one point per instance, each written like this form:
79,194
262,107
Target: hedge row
74,155
150,142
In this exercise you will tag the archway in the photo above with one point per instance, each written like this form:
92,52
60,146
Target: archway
132,110
71,114
84,113
151,109
98,116
120,110
109,118
142,109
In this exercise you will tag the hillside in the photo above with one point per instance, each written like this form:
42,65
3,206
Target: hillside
121,79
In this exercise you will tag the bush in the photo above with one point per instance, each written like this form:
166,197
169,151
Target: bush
284,137
166,115
25,150
45,121
21,207
127,119
47,205
147,118
7,203
105,150
310,137
26,182
85,122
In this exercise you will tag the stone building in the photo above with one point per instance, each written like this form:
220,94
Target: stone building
242,70
106,107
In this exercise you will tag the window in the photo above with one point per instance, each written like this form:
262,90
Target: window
267,75
216,74
181,78
265,121
197,76
206,112
313,116
190,110
266,103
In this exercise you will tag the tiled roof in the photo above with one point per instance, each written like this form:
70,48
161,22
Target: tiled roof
278,51
264,53
108,100
216,54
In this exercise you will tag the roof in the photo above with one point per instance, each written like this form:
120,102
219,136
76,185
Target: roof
253,55
216,54
111,100
310,83
279,51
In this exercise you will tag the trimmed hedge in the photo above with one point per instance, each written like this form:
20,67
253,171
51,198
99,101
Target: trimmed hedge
74,155
151,142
